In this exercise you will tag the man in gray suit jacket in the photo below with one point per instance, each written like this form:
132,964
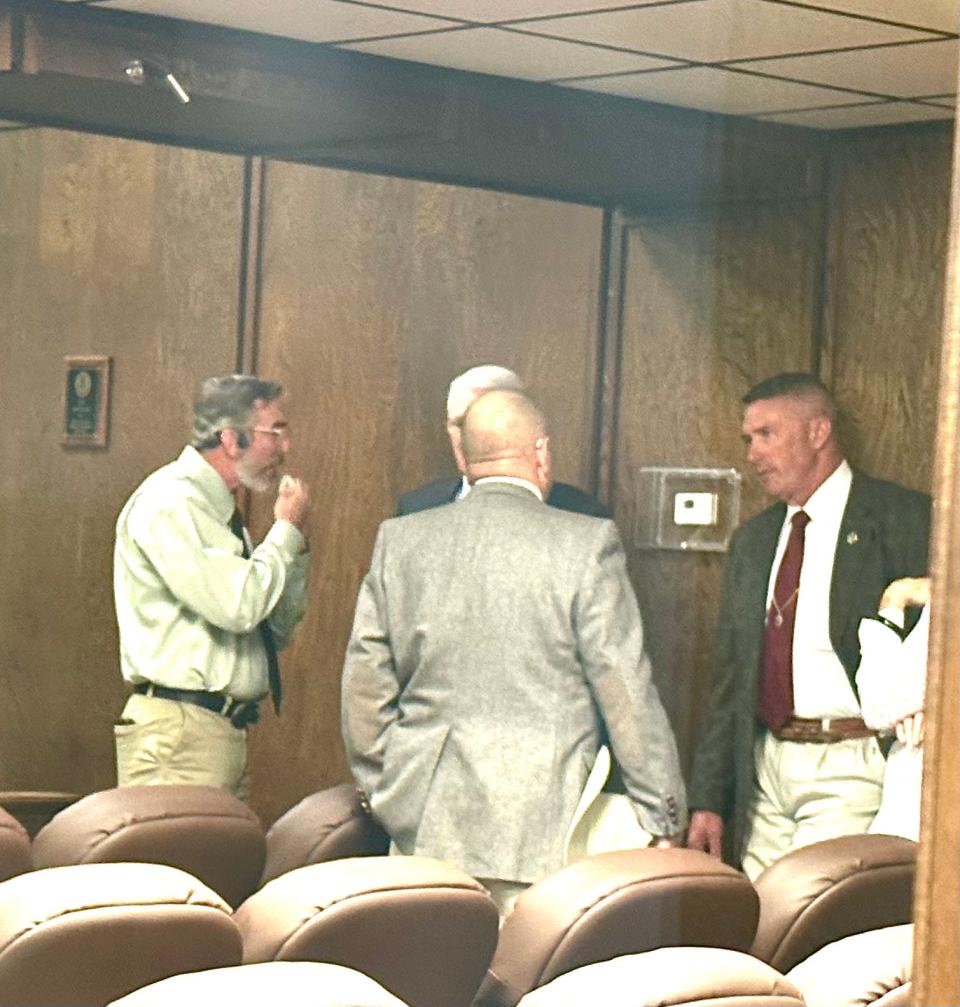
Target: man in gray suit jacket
763,788
490,638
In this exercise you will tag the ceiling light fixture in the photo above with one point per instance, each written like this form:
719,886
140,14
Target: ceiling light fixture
143,71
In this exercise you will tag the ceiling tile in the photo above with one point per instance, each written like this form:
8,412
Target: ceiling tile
895,71
715,30
883,114
311,20
714,90
491,50
507,10
942,15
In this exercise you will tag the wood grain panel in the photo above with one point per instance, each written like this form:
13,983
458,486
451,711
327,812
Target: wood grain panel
376,292
888,243
106,247
712,304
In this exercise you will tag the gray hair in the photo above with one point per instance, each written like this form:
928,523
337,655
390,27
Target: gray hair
227,403
470,385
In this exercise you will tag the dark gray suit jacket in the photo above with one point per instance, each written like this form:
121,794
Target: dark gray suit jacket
444,491
883,535
490,638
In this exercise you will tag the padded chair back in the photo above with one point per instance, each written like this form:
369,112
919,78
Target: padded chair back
615,904
671,977
15,857
422,928
873,968
329,825
831,889
83,936
293,984
202,830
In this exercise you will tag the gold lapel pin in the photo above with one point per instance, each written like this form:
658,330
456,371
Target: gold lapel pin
852,538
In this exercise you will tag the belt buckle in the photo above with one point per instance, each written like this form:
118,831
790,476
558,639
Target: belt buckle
825,725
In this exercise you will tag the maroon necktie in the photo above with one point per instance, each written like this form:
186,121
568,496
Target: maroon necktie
776,668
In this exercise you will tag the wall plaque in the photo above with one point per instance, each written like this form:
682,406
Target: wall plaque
86,402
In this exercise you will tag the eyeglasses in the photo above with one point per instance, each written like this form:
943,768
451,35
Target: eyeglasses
278,433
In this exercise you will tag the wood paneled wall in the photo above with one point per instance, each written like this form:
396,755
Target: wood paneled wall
889,204
106,247
376,292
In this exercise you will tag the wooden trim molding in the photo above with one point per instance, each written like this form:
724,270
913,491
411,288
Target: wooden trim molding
937,899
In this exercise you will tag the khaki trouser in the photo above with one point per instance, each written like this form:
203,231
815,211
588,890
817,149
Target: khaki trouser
165,741
805,792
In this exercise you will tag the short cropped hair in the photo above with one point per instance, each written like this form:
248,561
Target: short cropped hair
468,386
793,384
227,403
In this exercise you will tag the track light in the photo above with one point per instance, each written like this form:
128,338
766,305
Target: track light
143,71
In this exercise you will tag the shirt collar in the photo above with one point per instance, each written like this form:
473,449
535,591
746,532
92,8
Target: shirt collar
512,481
829,498
206,478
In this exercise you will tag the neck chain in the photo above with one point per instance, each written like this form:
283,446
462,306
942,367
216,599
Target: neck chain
779,609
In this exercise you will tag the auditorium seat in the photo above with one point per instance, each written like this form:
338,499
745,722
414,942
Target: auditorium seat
614,904
292,984
329,825
15,857
203,830
82,936
871,969
671,977
819,893
420,927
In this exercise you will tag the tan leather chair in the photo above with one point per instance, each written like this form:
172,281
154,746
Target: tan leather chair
671,977
203,830
82,936
420,927
873,968
828,890
15,857
615,904
329,825
293,984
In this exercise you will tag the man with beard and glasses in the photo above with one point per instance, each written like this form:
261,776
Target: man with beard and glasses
202,614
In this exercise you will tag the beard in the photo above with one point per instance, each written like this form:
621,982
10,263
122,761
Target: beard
262,480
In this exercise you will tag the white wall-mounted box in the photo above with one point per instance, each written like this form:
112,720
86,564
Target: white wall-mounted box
686,508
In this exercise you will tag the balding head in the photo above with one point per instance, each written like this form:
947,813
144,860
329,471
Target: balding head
504,434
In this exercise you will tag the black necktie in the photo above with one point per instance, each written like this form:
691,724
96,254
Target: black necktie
266,633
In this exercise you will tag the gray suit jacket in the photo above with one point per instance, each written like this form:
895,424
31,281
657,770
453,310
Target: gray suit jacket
489,639
883,536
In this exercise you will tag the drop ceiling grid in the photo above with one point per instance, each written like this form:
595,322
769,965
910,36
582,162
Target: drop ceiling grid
796,55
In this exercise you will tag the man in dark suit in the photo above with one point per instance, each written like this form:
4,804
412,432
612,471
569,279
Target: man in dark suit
491,642
464,390
786,759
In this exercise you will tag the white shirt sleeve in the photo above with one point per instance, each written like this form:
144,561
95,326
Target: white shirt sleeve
892,672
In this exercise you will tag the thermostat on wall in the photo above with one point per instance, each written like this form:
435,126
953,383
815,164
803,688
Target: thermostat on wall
686,508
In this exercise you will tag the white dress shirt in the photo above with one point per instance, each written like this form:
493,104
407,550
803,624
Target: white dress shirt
820,684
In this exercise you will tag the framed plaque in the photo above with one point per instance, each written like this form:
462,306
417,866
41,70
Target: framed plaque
86,401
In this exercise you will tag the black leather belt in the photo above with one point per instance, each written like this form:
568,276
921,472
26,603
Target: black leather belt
239,712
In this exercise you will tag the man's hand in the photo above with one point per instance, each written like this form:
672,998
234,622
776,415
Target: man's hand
706,833
910,730
293,502
906,591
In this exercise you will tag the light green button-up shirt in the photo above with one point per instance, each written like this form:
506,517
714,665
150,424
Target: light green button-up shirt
188,602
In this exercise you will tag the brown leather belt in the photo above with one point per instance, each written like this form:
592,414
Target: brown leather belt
822,731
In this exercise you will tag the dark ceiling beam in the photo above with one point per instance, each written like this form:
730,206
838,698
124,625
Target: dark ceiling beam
251,94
